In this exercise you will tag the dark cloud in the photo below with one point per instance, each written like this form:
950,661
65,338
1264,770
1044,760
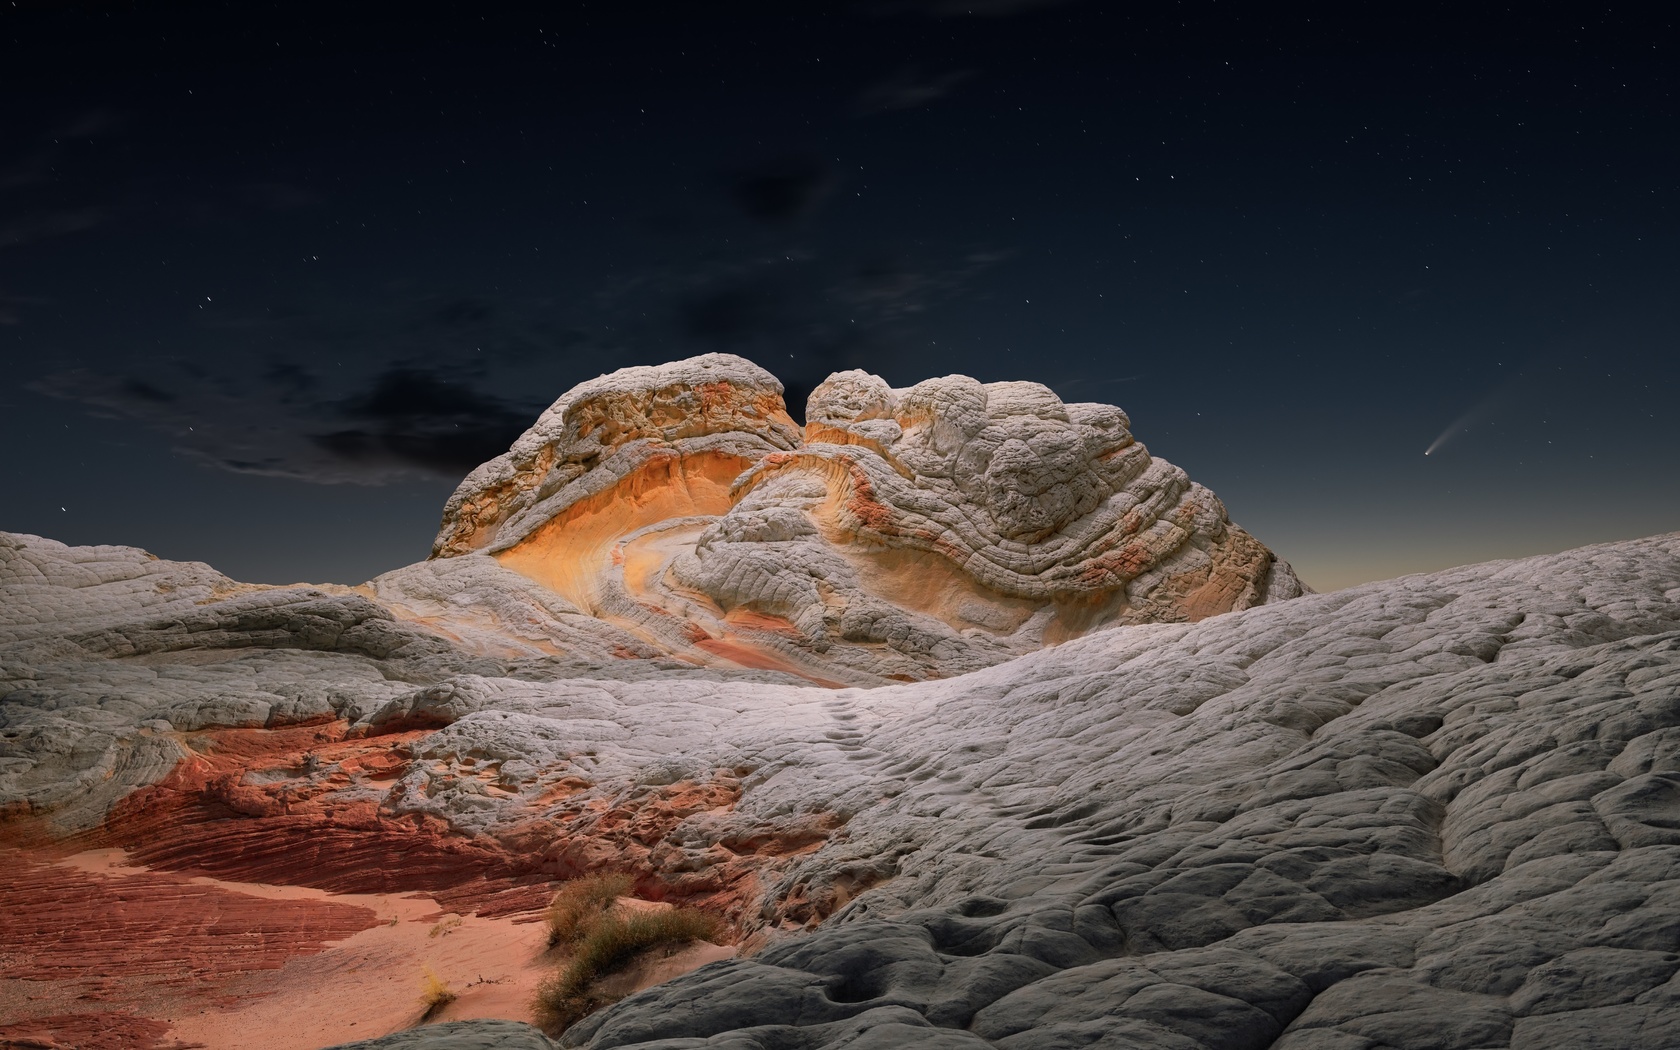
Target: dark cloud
144,391
347,444
424,420
405,393
909,89
420,383
782,190
402,422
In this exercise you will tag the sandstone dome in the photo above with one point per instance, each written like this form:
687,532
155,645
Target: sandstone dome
900,535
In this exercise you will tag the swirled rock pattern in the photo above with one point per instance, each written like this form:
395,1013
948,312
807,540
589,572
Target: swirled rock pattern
903,535
1438,812
673,426
1434,812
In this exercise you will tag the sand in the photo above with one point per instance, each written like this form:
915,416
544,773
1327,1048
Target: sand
270,994
133,957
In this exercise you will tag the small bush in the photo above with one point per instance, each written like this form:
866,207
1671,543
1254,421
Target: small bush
435,993
580,904
610,942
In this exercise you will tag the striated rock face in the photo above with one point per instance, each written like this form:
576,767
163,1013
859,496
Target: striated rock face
1438,811
1432,812
137,938
906,534
678,426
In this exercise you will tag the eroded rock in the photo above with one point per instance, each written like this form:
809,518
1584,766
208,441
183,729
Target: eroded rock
1433,811
905,534
1438,811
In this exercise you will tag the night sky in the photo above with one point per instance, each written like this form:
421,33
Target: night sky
272,279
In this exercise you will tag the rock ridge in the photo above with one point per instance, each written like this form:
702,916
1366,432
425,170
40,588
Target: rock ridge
902,534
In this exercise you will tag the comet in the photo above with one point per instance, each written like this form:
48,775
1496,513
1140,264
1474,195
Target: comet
1477,413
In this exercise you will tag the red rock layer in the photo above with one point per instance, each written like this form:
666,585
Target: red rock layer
114,1030
311,818
304,806
96,956
70,938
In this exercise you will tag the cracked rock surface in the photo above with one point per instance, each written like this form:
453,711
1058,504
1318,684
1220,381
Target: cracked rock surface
976,724
1441,811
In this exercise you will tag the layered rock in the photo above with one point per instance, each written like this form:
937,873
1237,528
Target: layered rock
1435,811
670,435
1438,811
1432,812
140,936
905,534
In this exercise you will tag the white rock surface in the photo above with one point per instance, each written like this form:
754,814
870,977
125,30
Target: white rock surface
1441,811
108,654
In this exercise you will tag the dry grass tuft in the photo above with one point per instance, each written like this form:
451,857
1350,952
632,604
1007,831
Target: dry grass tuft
606,945
580,904
444,928
435,993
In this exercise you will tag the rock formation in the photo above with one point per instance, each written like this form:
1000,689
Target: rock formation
905,534
1433,812
1436,811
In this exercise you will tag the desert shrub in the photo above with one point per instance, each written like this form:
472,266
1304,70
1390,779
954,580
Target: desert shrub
611,941
580,904
435,993
442,929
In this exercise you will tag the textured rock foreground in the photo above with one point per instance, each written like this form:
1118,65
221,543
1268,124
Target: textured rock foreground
901,535
1441,811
